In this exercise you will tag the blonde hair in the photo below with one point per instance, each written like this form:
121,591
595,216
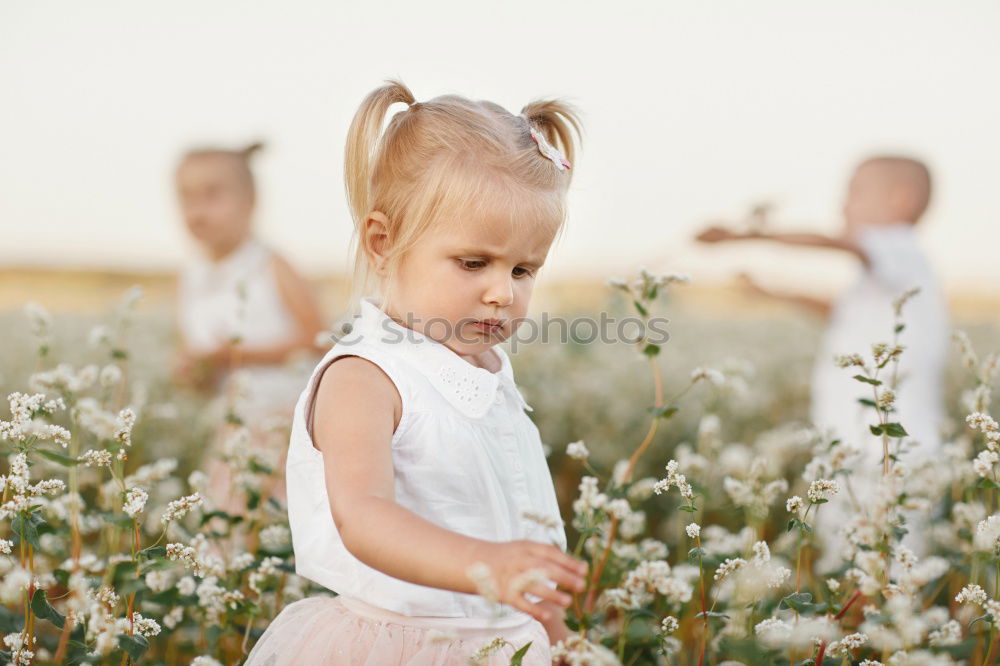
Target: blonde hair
241,158
447,156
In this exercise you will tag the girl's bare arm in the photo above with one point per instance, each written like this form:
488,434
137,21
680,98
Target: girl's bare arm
356,411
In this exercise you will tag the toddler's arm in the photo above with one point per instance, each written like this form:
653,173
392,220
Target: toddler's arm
356,411
716,234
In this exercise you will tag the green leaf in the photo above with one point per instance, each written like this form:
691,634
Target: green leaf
876,429
689,509
894,430
899,328
58,458
985,483
640,308
799,601
867,402
868,380
61,576
518,656
651,350
664,412
696,553
135,645
984,618
152,551
43,611
25,529
711,614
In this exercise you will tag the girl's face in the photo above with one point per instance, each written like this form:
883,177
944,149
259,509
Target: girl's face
215,201
467,283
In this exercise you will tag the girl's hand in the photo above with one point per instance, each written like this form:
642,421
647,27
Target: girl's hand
555,627
517,566
715,234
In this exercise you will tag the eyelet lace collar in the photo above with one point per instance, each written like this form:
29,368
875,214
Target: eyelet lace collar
470,389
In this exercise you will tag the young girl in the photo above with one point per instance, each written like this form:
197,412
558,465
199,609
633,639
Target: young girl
240,304
415,477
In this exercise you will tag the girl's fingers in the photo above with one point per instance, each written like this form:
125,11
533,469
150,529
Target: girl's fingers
545,592
535,611
568,580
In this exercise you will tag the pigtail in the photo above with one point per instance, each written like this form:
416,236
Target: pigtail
558,121
362,143
251,150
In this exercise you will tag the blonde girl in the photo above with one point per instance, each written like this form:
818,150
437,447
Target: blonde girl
418,490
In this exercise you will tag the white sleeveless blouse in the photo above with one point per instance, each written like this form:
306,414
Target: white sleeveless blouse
465,456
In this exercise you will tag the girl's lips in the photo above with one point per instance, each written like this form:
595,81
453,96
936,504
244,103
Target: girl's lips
487,327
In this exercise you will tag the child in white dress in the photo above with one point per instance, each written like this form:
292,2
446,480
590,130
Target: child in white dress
416,479
240,305
886,198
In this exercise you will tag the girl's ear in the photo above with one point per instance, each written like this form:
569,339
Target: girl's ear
376,241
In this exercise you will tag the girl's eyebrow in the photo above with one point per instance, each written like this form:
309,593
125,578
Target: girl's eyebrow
533,262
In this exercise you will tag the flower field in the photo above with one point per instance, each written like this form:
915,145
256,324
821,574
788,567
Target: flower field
687,472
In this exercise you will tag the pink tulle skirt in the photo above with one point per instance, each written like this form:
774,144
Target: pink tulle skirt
343,631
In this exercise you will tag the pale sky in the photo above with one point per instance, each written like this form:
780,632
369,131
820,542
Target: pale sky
692,110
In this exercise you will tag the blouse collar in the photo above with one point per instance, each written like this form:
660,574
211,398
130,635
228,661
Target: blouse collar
469,388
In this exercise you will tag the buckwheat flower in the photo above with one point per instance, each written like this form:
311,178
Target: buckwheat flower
482,577
714,377
794,504
728,567
6,546
988,534
135,501
482,654
186,586
972,594
174,617
619,508
848,360
871,662
822,489
20,654
275,537
110,375
987,425
47,487
96,458
693,530
669,625
833,584
885,398
204,661
241,561
949,633
544,520
845,645
124,425
984,462
144,625
179,507
526,579
773,632
577,450
618,283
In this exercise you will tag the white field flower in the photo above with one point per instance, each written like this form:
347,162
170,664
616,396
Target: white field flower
179,507
6,546
822,489
204,661
731,565
110,375
577,450
275,537
886,398
984,462
714,377
669,625
693,530
186,586
988,534
973,594
123,426
673,479
794,504
135,501
96,458
482,577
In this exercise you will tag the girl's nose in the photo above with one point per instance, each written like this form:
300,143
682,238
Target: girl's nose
500,293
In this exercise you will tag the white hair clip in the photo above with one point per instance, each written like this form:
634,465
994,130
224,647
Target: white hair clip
548,150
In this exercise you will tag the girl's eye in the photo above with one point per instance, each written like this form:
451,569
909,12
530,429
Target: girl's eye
471,264
524,272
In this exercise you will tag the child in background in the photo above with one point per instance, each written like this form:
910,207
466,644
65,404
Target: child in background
241,305
416,479
886,198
